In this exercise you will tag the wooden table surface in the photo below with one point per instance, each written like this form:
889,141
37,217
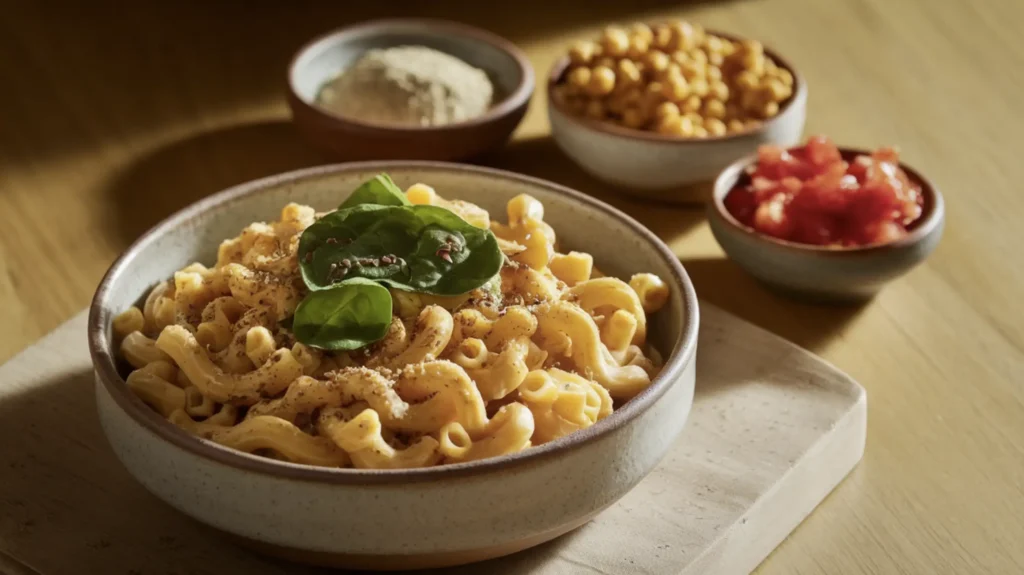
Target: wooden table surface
113,115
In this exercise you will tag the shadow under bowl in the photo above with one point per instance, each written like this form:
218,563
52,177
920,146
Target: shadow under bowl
349,139
820,273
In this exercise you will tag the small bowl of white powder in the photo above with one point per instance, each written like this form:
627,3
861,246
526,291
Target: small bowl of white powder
409,89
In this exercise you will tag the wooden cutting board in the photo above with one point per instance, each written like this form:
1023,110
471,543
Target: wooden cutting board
772,431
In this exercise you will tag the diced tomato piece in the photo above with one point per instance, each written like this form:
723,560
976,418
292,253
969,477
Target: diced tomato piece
809,194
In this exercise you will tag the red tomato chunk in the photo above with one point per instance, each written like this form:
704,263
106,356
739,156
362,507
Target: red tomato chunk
810,195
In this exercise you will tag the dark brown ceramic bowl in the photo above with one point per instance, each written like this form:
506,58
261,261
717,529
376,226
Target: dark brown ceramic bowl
349,139
817,272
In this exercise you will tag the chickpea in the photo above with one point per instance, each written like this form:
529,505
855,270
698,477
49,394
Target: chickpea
606,61
579,77
633,118
770,67
680,57
676,126
714,73
602,81
770,109
614,41
735,126
776,90
642,30
752,46
754,62
632,96
695,118
751,124
628,73
656,60
693,70
714,109
583,52
638,46
719,90
786,77
675,88
728,47
595,109
716,59
746,80
713,44
700,87
715,127
691,104
683,35
700,132
666,110
662,36
654,90
699,57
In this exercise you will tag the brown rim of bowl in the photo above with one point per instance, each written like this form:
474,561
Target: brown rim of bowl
931,214
520,95
103,357
562,64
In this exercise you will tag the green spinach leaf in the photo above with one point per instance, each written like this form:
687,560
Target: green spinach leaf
420,248
380,190
347,316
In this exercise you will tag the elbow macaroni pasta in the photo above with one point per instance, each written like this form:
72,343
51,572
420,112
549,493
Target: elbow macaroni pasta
455,379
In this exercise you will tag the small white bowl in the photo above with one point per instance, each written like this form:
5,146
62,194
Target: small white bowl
398,519
820,273
656,165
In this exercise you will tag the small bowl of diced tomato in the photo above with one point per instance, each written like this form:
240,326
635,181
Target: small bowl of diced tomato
826,222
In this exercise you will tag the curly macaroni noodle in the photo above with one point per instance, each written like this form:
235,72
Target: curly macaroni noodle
458,378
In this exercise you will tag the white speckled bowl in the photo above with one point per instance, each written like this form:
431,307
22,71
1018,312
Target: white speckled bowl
408,518
654,165
822,273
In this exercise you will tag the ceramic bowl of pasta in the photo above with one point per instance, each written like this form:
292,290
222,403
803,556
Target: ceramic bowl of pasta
394,364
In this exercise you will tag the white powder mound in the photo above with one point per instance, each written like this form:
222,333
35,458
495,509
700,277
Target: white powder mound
408,86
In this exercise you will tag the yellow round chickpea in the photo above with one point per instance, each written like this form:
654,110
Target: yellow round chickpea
693,70
770,67
700,132
680,57
614,41
695,118
666,110
602,81
751,124
776,90
700,87
685,35
675,88
719,90
786,77
746,80
691,104
713,73
754,62
770,109
714,109
713,44
735,126
656,60
676,126
583,52
699,56
715,126
662,36
642,30
752,47
638,46
606,61
579,77
627,73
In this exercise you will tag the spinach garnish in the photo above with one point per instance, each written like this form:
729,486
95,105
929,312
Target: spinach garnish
376,238
346,316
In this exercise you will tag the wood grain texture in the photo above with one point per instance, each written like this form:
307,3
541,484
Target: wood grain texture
112,114
767,439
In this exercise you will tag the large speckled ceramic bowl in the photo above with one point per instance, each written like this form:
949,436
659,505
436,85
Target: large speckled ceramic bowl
387,519
665,167
819,273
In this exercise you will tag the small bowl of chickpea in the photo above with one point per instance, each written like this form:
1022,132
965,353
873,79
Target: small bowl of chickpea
657,108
